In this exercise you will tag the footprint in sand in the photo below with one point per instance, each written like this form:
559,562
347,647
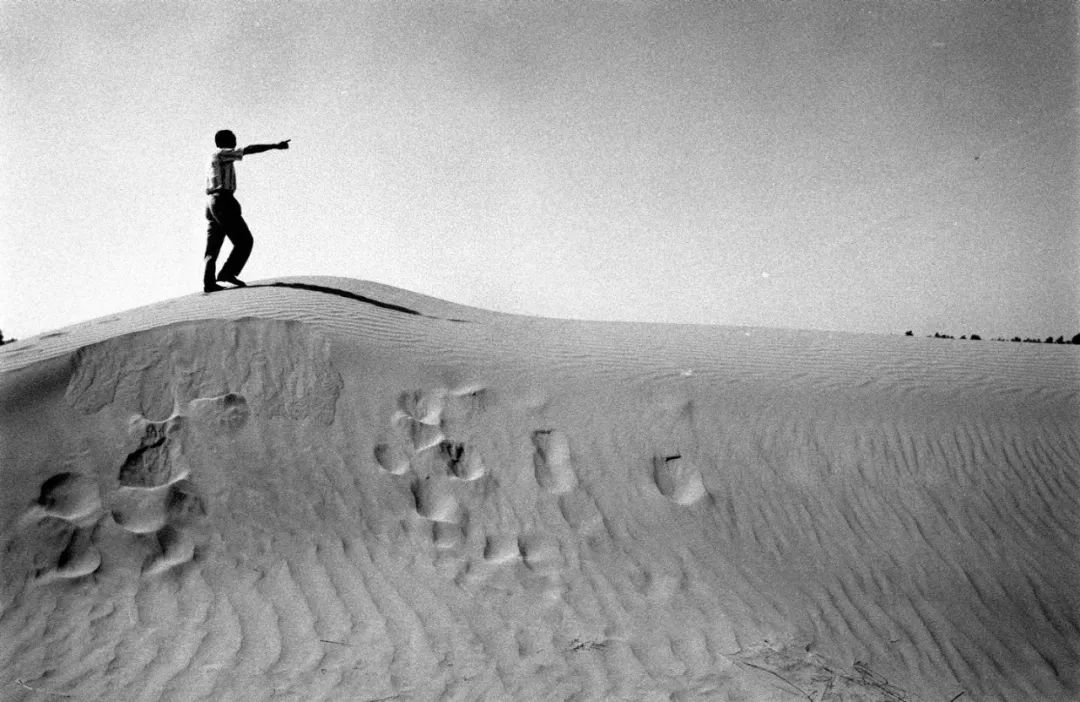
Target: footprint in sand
75,500
424,406
419,418
233,411
230,412
501,549
540,552
462,406
158,459
435,500
80,557
185,509
551,459
425,436
140,510
176,547
392,459
462,460
146,510
69,496
448,536
185,505
420,435
580,511
678,479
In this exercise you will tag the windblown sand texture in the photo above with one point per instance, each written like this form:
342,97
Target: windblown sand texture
334,490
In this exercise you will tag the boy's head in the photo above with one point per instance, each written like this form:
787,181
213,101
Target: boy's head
225,139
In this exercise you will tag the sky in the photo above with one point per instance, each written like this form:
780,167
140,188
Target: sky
838,165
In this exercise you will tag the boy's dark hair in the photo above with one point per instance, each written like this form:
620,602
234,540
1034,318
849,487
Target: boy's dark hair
225,138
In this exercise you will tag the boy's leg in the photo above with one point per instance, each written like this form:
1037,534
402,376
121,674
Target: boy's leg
242,241
215,236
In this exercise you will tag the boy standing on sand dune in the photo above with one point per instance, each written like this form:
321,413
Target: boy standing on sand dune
223,211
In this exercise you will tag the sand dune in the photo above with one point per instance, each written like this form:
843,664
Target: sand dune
335,490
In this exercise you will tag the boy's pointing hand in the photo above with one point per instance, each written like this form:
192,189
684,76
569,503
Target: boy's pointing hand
284,144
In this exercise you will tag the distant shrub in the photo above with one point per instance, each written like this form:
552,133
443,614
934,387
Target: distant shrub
1016,339
911,333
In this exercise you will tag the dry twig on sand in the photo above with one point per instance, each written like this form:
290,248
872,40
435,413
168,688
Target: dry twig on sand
781,677
38,689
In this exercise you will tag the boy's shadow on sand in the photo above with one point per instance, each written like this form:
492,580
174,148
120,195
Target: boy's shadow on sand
346,294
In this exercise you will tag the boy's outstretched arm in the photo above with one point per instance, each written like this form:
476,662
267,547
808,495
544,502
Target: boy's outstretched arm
259,148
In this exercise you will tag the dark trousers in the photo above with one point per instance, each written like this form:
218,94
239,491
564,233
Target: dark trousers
224,220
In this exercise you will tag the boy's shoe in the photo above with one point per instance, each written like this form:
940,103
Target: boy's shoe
212,287
232,280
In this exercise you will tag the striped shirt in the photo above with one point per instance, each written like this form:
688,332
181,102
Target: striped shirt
221,177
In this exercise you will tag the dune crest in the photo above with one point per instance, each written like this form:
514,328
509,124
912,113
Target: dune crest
282,492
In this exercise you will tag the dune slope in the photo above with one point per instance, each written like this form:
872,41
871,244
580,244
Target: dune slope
333,490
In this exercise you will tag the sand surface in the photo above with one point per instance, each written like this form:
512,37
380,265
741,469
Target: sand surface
335,490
